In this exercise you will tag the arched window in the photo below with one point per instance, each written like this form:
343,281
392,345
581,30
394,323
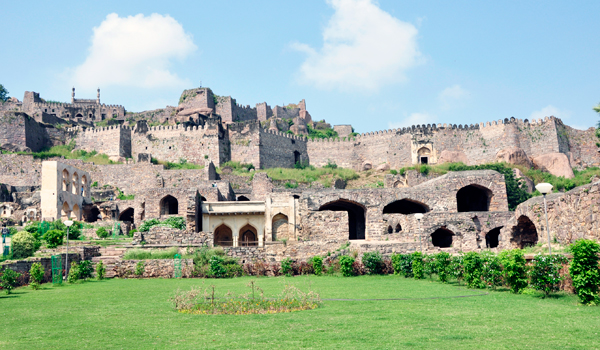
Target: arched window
75,185
390,229
223,236
169,205
280,227
524,234
405,206
248,236
491,238
356,216
75,214
442,237
243,199
398,228
84,186
473,198
127,215
66,180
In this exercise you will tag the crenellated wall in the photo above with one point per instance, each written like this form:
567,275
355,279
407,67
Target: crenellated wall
114,141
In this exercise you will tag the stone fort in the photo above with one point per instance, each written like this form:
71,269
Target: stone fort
259,218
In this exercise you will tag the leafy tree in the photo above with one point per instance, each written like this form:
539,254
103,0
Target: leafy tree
54,238
3,94
23,245
8,281
102,233
584,270
473,265
545,273
443,261
513,268
36,275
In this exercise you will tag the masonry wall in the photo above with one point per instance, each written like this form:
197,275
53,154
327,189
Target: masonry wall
231,112
23,131
278,149
244,139
114,141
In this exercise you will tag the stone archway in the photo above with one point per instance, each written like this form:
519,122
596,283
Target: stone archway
76,213
356,216
65,212
223,236
248,236
442,237
492,237
405,206
127,215
473,198
280,227
169,205
524,234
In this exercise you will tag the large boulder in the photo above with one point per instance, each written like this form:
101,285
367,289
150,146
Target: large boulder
453,157
513,155
383,167
555,163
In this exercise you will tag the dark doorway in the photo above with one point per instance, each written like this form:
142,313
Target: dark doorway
92,215
424,160
297,158
442,237
127,215
390,229
398,228
203,199
356,216
169,206
243,199
223,236
524,234
473,198
405,206
491,238
247,237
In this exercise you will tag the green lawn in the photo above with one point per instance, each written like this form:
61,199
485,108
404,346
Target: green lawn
137,314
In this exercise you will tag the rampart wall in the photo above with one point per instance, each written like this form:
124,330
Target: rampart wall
22,131
230,111
278,149
114,141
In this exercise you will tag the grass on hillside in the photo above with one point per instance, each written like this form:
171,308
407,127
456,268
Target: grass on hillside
182,164
137,313
68,152
146,254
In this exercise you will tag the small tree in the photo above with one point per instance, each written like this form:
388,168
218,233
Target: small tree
139,268
74,273
23,245
102,233
584,270
417,265
514,270
346,263
100,270
85,269
492,269
36,275
8,281
545,273
286,267
317,264
3,94
442,261
54,238
473,265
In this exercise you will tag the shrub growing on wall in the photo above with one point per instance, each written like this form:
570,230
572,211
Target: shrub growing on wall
545,272
100,270
584,270
139,268
417,265
54,238
36,275
473,267
23,245
373,262
513,269
346,263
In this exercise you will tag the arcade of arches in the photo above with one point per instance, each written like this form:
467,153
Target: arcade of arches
247,236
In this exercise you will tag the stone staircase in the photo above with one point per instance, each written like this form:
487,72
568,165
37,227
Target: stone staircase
109,256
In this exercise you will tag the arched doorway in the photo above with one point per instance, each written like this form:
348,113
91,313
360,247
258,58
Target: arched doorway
280,227
223,236
473,198
524,234
75,185
248,236
356,216
75,214
398,228
93,215
169,205
243,199
127,215
491,238
405,206
65,212
79,116
297,158
442,237
424,153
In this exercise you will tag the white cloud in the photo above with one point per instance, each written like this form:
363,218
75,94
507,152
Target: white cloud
452,95
565,115
363,47
413,119
134,51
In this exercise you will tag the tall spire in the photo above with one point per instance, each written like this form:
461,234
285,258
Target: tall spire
73,95
98,98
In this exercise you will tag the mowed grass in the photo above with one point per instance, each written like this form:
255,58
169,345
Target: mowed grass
137,314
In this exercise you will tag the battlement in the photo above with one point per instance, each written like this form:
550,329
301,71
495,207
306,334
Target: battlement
284,134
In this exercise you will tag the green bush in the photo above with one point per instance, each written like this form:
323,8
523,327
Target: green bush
216,266
139,269
457,267
8,281
373,262
145,226
74,273
317,264
473,266
514,269
175,222
402,264
74,230
102,233
100,270
429,265
417,265
85,269
545,272
54,238
36,275
443,261
346,263
584,270
23,245
492,269
131,232
286,267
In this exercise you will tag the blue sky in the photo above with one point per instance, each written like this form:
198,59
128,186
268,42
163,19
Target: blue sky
375,65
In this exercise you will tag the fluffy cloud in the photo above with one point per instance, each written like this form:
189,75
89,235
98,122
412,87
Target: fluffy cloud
413,119
547,111
452,95
363,47
134,51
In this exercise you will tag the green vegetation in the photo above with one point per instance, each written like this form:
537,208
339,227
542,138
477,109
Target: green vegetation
174,222
36,275
68,152
8,280
152,322
3,94
182,164
23,245
146,254
102,233
585,272
321,133
124,197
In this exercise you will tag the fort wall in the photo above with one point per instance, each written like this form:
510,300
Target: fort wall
114,141
230,111
20,130
278,149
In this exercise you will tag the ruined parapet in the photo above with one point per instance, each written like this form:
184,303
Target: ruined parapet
114,141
